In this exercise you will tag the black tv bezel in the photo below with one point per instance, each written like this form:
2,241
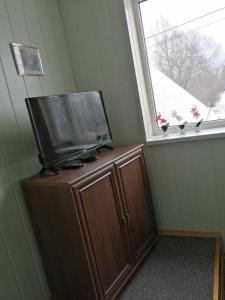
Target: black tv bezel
57,162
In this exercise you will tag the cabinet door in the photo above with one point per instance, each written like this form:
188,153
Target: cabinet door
134,188
103,224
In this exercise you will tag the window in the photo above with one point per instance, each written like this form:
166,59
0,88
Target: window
184,46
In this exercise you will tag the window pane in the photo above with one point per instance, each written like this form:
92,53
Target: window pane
185,43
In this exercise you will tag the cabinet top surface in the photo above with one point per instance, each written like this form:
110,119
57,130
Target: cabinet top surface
71,176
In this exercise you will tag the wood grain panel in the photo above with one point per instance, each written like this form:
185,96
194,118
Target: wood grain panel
217,274
137,200
99,200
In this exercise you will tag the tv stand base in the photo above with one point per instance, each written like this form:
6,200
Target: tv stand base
48,171
107,147
77,163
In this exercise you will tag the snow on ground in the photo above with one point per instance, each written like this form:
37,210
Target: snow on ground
170,96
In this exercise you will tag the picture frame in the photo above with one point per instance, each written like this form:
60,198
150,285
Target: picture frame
27,60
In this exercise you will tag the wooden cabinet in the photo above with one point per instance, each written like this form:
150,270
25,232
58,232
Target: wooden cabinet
94,225
101,214
135,194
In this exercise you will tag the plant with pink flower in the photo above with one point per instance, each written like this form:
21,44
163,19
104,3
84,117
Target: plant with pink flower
162,122
196,115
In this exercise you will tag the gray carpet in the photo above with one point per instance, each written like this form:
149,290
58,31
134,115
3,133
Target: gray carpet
177,268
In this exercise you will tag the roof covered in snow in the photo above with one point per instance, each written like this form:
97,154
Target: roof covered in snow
170,96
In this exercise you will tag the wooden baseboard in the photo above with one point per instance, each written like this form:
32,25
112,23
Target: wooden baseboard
222,273
216,280
194,233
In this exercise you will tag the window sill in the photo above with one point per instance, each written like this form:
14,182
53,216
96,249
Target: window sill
204,134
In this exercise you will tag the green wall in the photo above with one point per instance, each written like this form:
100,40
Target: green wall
38,23
187,179
101,58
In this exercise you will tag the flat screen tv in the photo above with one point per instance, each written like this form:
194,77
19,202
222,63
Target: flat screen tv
66,126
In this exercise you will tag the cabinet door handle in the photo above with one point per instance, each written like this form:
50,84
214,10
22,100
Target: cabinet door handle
124,220
128,217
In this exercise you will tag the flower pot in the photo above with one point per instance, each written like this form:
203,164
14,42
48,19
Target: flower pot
182,131
164,133
197,128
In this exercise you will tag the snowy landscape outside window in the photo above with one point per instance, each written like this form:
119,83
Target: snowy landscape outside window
185,43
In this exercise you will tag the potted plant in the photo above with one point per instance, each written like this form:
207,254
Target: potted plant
163,124
178,117
196,116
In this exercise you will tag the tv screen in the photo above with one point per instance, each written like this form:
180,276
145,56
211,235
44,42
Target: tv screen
66,125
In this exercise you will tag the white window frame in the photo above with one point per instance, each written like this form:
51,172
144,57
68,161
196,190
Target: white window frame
143,76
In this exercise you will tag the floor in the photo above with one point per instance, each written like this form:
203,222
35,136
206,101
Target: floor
177,268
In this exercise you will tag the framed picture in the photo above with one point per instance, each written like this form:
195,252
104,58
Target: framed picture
27,59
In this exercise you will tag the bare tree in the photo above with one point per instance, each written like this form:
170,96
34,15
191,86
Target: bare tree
191,60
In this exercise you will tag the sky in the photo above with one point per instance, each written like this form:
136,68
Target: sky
178,12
